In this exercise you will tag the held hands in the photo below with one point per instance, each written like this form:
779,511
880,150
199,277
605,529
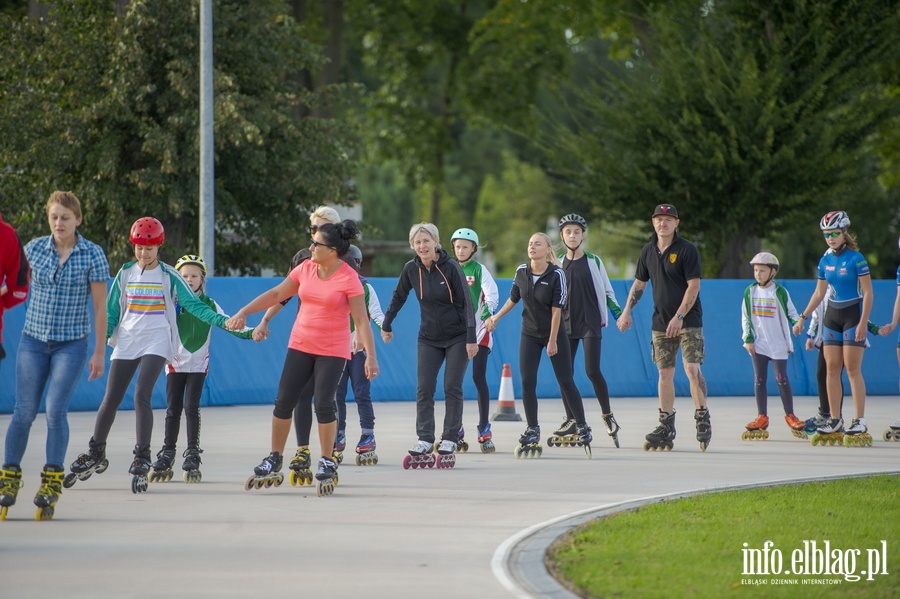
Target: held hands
623,322
885,330
260,332
236,322
491,324
386,336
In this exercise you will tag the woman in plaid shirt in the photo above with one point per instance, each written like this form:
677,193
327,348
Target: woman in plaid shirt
68,283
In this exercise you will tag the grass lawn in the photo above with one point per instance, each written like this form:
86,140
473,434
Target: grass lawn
701,546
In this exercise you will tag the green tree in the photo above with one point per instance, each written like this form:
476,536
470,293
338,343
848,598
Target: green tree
108,106
751,117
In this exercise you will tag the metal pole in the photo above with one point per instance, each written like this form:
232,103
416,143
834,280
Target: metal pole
207,156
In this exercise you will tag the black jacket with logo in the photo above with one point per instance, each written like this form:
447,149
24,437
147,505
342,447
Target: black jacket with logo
550,291
444,301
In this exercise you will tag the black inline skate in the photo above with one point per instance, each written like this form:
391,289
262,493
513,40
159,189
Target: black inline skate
87,463
191,464
139,468
612,427
530,443
301,468
704,427
49,491
268,473
572,434
662,436
10,483
326,477
162,467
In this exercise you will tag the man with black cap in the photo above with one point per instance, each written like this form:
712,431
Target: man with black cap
672,264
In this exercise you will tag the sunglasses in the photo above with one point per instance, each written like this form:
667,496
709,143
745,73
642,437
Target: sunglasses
832,234
316,244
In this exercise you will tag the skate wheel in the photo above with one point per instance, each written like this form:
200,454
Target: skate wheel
646,445
69,480
3,511
295,480
463,447
406,461
44,513
587,450
250,483
359,461
703,446
765,435
616,440
745,436
887,435
102,467
337,456
278,480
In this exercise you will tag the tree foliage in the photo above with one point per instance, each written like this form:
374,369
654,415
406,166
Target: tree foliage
750,117
108,107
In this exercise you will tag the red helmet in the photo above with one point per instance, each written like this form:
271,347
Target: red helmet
147,231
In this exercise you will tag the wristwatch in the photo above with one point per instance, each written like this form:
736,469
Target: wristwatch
679,316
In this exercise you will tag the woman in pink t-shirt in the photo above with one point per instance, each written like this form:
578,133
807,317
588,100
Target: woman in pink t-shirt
330,292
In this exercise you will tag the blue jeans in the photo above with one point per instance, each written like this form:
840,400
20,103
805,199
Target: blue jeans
355,374
55,366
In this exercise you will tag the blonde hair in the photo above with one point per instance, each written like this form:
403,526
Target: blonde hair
327,213
551,255
428,228
66,199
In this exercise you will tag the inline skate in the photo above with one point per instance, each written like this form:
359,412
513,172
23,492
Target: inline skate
139,468
797,426
326,477
572,434
612,427
830,433
893,432
49,492
87,463
301,468
663,435
365,450
162,467
485,438
811,425
10,483
340,444
530,443
420,456
191,464
461,444
446,457
757,430
268,473
857,435
704,427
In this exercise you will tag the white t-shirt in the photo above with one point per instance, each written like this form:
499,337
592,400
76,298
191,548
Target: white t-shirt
143,328
772,337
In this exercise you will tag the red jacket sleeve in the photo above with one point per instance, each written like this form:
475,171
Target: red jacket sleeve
16,272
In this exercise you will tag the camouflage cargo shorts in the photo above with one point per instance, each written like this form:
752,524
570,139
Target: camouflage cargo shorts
663,350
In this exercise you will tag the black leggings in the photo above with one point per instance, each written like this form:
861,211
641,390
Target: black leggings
183,391
303,416
530,351
479,376
299,369
760,381
120,374
592,346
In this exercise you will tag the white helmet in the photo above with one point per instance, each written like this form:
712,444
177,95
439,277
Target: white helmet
834,220
765,259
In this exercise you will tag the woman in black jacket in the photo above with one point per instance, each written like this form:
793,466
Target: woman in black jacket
541,284
446,334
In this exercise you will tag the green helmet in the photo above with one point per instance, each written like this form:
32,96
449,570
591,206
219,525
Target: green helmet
191,259
467,234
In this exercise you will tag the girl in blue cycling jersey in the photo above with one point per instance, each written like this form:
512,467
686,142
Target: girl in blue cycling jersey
844,275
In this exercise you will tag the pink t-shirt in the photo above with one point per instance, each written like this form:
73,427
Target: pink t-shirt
322,327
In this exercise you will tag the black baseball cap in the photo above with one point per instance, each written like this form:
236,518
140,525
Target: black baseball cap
666,210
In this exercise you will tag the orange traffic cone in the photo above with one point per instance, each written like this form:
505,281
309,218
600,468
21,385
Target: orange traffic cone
506,401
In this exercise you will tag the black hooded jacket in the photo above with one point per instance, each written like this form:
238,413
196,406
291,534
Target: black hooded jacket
444,301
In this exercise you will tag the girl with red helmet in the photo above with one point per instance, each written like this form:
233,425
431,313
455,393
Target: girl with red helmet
142,307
